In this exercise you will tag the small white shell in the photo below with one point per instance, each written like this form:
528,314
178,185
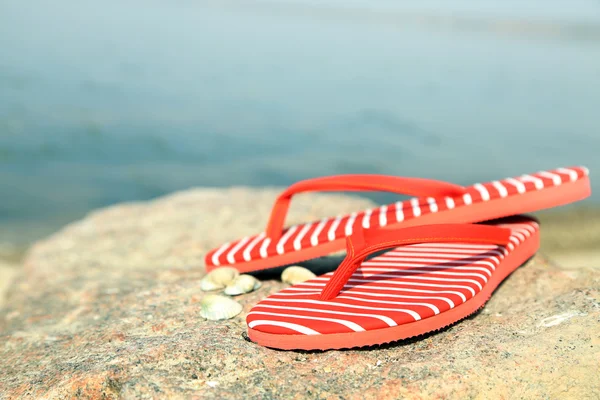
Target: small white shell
242,284
295,274
215,307
218,279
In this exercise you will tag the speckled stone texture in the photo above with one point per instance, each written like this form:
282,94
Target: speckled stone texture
109,308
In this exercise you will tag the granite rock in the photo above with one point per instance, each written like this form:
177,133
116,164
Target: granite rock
109,308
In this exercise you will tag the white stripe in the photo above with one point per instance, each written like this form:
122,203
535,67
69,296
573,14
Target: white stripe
383,318
383,259
403,282
217,254
521,231
514,240
448,301
298,239
235,249
519,185
377,268
519,235
586,171
500,188
572,174
366,221
348,324
466,246
308,292
285,238
555,178
440,248
304,292
434,252
399,212
383,216
400,273
264,246
400,251
391,288
485,195
432,204
460,267
470,289
402,277
428,257
530,226
539,184
416,207
534,226
525,232
475,256
289,325
400,303
450,203
350,224
337,304
333,228
314,238
467,198
248,249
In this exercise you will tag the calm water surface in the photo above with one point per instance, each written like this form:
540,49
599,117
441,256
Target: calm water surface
106,102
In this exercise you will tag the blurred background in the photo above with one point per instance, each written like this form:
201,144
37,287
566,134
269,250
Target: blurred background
112,101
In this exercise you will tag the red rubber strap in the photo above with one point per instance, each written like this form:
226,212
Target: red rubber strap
417,187
364,242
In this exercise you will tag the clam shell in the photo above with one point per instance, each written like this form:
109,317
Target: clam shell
218,279
295,274
215,307
242,284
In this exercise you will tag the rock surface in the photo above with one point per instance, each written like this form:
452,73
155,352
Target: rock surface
109,308
7,273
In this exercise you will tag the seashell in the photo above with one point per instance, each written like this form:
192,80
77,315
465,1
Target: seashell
242,284
218,279
216,307
295,274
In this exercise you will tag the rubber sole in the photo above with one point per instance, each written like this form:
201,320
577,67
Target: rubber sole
555,196
509,264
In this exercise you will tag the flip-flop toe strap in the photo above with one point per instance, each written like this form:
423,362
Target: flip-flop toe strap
364,242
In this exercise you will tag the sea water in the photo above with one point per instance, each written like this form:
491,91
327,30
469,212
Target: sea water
104,102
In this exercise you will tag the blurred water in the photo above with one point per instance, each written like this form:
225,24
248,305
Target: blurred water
102,102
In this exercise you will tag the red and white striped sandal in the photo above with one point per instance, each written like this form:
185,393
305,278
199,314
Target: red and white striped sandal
434,276
436,203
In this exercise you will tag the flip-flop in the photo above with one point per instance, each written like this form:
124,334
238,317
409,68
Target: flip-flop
436,203
434,275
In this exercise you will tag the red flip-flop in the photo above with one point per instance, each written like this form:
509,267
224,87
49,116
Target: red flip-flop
434,276
436,203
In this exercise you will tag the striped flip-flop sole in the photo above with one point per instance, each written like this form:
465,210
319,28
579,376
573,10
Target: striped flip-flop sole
402,293
481,202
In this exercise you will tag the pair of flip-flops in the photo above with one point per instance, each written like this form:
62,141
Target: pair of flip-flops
434,266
